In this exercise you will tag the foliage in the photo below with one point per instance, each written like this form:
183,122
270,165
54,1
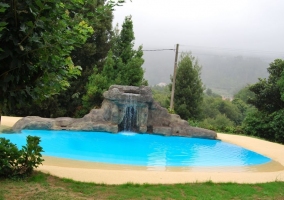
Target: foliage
36,41
123,66
243,108
267,92
161,95
98,15
244,94
193,123
188,88
91,55
98,84
15,162
227,108
171,111
210,93
268,126
219,123
266,120
213,106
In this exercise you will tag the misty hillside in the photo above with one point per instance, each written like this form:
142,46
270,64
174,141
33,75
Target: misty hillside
224,74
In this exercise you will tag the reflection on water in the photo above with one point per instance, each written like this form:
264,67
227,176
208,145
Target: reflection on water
152,151
158,157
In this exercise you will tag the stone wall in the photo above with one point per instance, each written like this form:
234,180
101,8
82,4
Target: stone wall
122,105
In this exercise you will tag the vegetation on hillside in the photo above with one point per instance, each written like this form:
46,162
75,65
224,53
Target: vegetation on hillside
226,75
267,119
256,110
222,73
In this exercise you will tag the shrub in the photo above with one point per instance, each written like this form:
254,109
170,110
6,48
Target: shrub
267,126
171,111
18,163
193,123
219,123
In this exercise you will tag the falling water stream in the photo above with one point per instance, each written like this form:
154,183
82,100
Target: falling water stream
129,122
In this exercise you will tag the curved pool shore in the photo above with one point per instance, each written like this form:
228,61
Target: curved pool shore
119,174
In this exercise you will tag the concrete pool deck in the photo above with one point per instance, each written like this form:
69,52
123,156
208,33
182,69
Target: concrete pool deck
118,174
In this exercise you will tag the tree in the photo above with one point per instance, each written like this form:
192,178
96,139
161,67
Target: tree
188,88
161,95
92,54
219,123
210,93
266,120
215,110
98,15
36,40
244,94
123,66
268,91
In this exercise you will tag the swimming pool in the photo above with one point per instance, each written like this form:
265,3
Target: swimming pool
140,149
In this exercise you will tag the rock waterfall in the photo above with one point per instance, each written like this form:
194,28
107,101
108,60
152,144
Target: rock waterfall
125,108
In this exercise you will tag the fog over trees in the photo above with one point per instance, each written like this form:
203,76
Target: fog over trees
234,41
224,73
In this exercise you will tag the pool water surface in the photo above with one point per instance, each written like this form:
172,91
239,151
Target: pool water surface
129,148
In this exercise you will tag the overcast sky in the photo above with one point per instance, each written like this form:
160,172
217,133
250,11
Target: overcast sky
229,25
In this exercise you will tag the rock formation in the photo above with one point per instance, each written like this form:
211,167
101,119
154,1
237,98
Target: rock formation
125,108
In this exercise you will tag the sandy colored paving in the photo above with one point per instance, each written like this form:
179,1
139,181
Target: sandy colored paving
118,174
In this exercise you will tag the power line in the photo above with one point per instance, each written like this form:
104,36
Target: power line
159,50
203,54
217,49
232,49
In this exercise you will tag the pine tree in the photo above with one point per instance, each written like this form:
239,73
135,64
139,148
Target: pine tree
123,66
188,88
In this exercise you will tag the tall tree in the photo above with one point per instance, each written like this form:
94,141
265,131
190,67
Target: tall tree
98,14
267,120
267,91
188,88
92,53
36,40
128,61
123,66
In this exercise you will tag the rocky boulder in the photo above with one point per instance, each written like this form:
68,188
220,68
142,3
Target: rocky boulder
125,108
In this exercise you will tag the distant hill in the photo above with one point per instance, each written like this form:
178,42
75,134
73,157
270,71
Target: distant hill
224,74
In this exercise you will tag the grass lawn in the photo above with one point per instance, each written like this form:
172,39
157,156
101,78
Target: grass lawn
45,186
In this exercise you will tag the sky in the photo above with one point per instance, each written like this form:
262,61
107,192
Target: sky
236,26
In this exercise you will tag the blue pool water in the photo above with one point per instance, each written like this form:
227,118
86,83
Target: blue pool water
140,149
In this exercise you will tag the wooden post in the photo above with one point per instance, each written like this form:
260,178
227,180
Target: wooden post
174,79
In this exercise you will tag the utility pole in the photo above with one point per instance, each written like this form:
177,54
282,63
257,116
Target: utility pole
174,79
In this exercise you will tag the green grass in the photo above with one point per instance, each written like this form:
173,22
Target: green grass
45,186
